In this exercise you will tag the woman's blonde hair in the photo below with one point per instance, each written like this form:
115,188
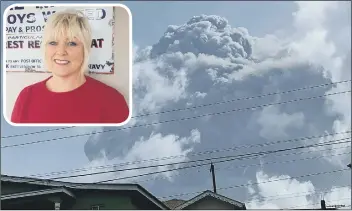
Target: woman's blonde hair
70,23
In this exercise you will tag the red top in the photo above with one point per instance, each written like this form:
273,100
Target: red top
93,102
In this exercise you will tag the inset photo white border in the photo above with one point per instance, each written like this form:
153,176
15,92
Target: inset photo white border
4,73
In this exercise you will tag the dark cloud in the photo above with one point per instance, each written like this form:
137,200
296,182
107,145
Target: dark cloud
203,55
205,34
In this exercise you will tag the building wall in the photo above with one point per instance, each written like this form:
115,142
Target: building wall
32,205
110,200
209,203
85,199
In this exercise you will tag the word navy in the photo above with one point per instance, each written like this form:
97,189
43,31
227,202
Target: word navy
96,66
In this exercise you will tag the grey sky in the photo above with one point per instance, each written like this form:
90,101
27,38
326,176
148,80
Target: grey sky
291,54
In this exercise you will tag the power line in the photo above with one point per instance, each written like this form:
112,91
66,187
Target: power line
238,157
197,106
258,183
289,161
200,160
225,188
243,98
196,153
295,195
37,132
176,120
266,163
229,187
318,203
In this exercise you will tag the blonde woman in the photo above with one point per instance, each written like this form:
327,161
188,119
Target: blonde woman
68,95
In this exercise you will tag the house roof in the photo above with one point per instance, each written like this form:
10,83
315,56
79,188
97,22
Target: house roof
173,203
211,194
37,193
87,186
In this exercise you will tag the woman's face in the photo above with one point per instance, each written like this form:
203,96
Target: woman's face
64,57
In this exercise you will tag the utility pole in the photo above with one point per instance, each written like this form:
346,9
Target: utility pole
213,176
322,204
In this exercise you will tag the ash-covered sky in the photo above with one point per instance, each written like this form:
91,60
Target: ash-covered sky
189,54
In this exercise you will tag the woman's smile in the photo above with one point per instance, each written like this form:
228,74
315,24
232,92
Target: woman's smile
61,62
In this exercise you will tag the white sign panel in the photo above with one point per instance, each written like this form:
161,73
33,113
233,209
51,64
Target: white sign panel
24,30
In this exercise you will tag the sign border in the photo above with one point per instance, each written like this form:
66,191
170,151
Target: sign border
130,101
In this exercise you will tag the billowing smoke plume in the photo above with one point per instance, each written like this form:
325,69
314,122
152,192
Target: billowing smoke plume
207,60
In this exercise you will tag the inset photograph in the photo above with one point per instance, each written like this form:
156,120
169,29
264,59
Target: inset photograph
67,65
